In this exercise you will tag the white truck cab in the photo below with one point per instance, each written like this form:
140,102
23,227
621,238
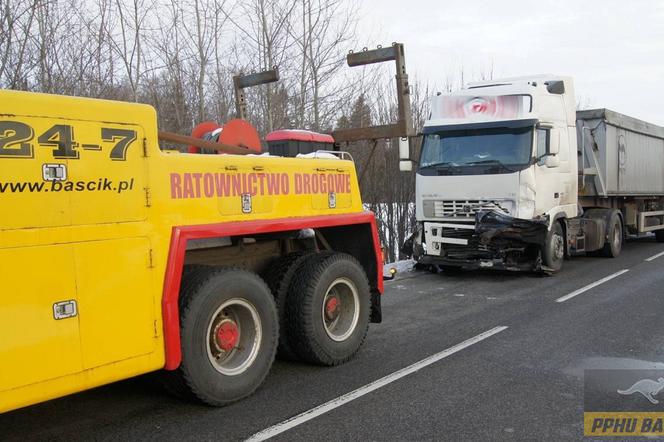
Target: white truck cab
498,177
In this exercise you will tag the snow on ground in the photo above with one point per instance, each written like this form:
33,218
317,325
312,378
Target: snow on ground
403,267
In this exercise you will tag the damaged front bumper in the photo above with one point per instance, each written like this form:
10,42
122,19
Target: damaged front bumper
495,240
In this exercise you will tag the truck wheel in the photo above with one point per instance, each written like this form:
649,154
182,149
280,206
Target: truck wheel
228,333
554,248
328,309
613,246
659,235
278,277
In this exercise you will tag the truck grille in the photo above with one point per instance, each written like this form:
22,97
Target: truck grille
458,209
452,249
474,249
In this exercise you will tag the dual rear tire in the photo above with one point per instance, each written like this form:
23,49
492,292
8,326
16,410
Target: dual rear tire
328,309
230,322
324,303
228,334
279,276
614,237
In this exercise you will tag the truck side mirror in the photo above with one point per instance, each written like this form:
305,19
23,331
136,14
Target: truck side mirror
405,166
552,161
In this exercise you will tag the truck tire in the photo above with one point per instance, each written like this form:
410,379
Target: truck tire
553,254
613,245
278,277
329,309
659,235
228,333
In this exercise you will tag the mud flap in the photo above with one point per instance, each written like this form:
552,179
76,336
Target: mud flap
376,310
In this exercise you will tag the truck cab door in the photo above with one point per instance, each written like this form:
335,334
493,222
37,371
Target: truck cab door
553,186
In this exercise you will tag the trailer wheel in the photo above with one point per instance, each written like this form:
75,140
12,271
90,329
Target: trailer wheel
554,248
659,235
278,277
228,333
613,245
329,309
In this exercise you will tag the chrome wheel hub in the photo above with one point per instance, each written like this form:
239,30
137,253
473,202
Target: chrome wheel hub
234,337
341,309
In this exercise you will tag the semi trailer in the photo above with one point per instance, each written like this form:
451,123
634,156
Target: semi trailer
511,176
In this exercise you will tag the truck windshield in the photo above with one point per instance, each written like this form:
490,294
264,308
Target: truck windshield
477,151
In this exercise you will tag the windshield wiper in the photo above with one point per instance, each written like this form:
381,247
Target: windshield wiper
496,162
441,164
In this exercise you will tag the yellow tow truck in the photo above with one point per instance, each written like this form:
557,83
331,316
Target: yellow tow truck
119,258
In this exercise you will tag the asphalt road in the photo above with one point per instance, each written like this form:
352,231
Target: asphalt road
522,383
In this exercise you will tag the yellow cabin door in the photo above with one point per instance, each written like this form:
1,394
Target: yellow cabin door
39,330
116,300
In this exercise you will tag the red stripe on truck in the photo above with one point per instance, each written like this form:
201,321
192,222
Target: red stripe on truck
178,247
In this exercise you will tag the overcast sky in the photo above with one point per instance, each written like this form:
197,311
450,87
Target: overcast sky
613,49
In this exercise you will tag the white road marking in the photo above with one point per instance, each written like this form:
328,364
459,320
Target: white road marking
653,257
590,286
375,385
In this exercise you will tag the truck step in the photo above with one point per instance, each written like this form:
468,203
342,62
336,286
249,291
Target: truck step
580,244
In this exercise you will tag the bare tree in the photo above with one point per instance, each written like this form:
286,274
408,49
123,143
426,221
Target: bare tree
17,20
222,94
127,42
265,27
202,23
385,191
327,31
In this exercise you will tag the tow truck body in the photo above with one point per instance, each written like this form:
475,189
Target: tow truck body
98,224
